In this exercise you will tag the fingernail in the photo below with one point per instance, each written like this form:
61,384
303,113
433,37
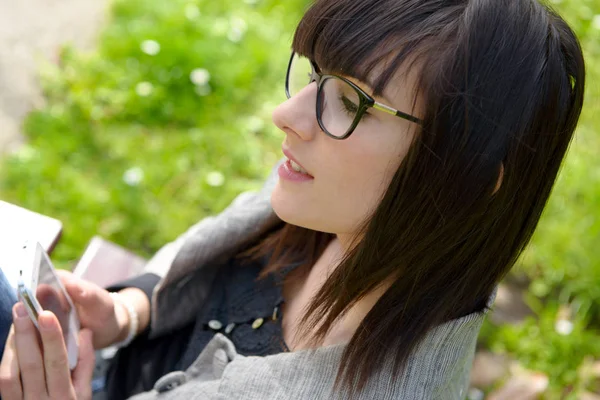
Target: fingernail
20,311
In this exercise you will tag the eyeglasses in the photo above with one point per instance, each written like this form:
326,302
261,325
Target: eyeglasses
340,103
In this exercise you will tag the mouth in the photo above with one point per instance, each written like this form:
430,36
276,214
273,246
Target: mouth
296,166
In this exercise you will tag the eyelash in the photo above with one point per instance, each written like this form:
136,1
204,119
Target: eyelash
343,99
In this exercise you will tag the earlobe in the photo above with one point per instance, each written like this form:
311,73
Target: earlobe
500,179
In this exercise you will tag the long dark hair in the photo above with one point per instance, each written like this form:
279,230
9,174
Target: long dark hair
502,84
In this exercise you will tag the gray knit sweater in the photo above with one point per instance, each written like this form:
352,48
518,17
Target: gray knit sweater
437,369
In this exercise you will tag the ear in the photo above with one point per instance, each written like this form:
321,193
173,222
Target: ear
500,179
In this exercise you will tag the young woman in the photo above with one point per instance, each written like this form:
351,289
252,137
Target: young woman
423,138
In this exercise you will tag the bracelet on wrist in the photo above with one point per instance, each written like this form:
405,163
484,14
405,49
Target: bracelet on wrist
133,318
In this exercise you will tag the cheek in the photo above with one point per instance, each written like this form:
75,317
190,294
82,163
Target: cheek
363,177
365,165
355,180
351,178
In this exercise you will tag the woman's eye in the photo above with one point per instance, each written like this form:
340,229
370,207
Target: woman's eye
349,106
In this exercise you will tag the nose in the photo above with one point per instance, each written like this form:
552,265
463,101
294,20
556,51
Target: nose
298,114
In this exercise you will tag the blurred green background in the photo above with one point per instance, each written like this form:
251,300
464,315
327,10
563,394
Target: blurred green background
169,118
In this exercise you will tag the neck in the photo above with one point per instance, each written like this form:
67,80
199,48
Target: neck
347,325
343,241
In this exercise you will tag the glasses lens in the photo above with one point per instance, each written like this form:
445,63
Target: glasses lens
300,73
338,104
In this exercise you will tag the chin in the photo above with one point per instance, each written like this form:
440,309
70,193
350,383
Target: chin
285,206
294,211
289,208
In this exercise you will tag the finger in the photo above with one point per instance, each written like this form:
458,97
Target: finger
56,362
82,376
10,379
29,354
48,297
87,293
54,300
74,289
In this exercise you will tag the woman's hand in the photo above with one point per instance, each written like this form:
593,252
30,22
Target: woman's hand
35,369
96,310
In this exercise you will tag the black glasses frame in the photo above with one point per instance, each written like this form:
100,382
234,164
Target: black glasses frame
365,100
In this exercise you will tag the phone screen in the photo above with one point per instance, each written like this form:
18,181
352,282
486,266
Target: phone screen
51,295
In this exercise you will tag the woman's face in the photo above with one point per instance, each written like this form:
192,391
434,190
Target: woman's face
349,176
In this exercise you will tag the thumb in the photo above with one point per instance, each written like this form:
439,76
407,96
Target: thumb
83,373
87,294
75,289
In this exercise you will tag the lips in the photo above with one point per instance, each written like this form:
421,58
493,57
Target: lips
289,155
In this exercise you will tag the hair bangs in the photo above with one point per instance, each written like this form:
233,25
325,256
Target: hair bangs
363,39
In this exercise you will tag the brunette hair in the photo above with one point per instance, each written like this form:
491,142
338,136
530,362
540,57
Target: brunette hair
502,86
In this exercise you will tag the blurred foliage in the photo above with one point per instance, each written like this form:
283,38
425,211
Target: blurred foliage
165,123
169,118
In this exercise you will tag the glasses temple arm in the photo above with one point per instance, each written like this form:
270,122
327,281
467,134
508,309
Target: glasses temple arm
395,112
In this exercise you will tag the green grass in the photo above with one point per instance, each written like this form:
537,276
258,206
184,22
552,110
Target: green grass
128,147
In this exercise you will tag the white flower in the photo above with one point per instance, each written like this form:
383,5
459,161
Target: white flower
255,124
539,382
200,76
24,153
144,89
237,29
596,22
563,327
150,47
235,35
192,11
215,178
220,26
133,176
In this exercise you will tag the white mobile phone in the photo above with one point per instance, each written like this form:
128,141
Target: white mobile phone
40,289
